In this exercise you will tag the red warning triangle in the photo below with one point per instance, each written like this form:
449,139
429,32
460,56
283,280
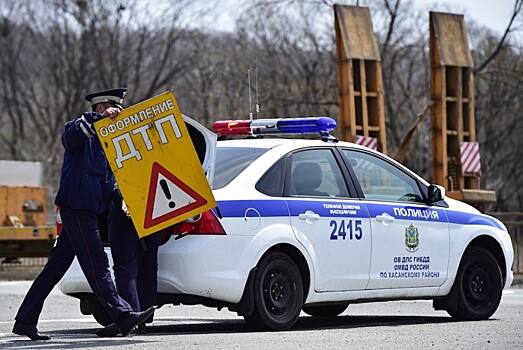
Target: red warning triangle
168,197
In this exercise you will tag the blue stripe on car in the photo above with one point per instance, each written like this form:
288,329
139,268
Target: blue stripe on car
456,217
357,209
408,212
237,208
353,209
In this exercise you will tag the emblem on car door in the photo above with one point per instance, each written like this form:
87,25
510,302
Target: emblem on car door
411,238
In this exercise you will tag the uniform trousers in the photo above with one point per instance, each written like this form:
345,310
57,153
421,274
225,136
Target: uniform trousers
135,260
79,237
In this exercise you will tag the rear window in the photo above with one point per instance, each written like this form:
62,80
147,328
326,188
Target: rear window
231,161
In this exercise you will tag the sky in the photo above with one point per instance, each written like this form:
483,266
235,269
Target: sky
494,14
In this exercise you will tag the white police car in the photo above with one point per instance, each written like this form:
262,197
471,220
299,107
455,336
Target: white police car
315,225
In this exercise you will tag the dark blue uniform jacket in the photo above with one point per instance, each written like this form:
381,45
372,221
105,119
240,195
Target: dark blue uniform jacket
87,180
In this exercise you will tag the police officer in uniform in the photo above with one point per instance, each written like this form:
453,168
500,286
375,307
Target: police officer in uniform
85,191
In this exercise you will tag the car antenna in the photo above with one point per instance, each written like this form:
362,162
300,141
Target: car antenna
250,98
250,101
257,104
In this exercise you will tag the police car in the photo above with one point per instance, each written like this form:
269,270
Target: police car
314,225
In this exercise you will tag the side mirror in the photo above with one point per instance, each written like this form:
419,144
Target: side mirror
435,193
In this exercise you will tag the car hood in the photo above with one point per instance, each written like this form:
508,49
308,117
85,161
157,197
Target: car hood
204,142
454,204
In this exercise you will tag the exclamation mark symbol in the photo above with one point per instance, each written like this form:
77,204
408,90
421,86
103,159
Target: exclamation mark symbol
165,189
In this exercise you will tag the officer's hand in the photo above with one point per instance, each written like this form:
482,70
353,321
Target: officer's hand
111,112
125,209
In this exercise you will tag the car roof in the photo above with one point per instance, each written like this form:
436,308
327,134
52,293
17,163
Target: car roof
273,142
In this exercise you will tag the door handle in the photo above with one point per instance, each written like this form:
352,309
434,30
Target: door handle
385,218
309,216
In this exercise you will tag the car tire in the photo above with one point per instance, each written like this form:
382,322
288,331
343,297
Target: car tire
277,293
325,310
100,314
479,286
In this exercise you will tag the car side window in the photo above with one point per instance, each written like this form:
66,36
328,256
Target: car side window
316,173
271,183
381,180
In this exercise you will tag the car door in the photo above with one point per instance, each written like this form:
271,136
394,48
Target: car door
204,142
410,239
333,227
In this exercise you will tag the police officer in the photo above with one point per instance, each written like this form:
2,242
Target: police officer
85,191
135,263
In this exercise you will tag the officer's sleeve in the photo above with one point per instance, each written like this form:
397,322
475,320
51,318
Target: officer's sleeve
79,130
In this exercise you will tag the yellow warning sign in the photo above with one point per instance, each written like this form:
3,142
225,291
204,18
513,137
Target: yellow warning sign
155,164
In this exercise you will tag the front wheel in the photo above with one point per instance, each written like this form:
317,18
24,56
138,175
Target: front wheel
479,286
278,293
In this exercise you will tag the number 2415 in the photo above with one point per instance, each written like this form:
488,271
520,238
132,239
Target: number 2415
352,229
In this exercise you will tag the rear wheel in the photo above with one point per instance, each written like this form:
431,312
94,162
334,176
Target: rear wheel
479,285
93,307
325,310
278,293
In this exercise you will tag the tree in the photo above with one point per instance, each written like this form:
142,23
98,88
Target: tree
53,52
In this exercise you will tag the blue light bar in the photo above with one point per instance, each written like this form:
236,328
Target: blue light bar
306,125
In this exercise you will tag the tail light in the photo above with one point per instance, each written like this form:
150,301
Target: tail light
205,223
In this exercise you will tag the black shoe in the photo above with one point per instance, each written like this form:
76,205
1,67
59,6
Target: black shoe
127,321
108,331
30,331
140,329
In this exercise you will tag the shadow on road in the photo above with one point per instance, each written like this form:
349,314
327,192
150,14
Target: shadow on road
304,323
70,339
85,338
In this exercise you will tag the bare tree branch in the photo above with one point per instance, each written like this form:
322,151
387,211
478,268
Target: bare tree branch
515,12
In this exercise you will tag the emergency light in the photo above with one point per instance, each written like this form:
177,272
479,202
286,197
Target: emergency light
303,125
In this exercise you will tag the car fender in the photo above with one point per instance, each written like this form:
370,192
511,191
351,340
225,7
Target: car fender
464,236
279,236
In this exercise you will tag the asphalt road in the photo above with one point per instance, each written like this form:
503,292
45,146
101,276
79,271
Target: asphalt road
385,325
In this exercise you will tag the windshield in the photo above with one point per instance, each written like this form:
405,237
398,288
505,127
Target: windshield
231,161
